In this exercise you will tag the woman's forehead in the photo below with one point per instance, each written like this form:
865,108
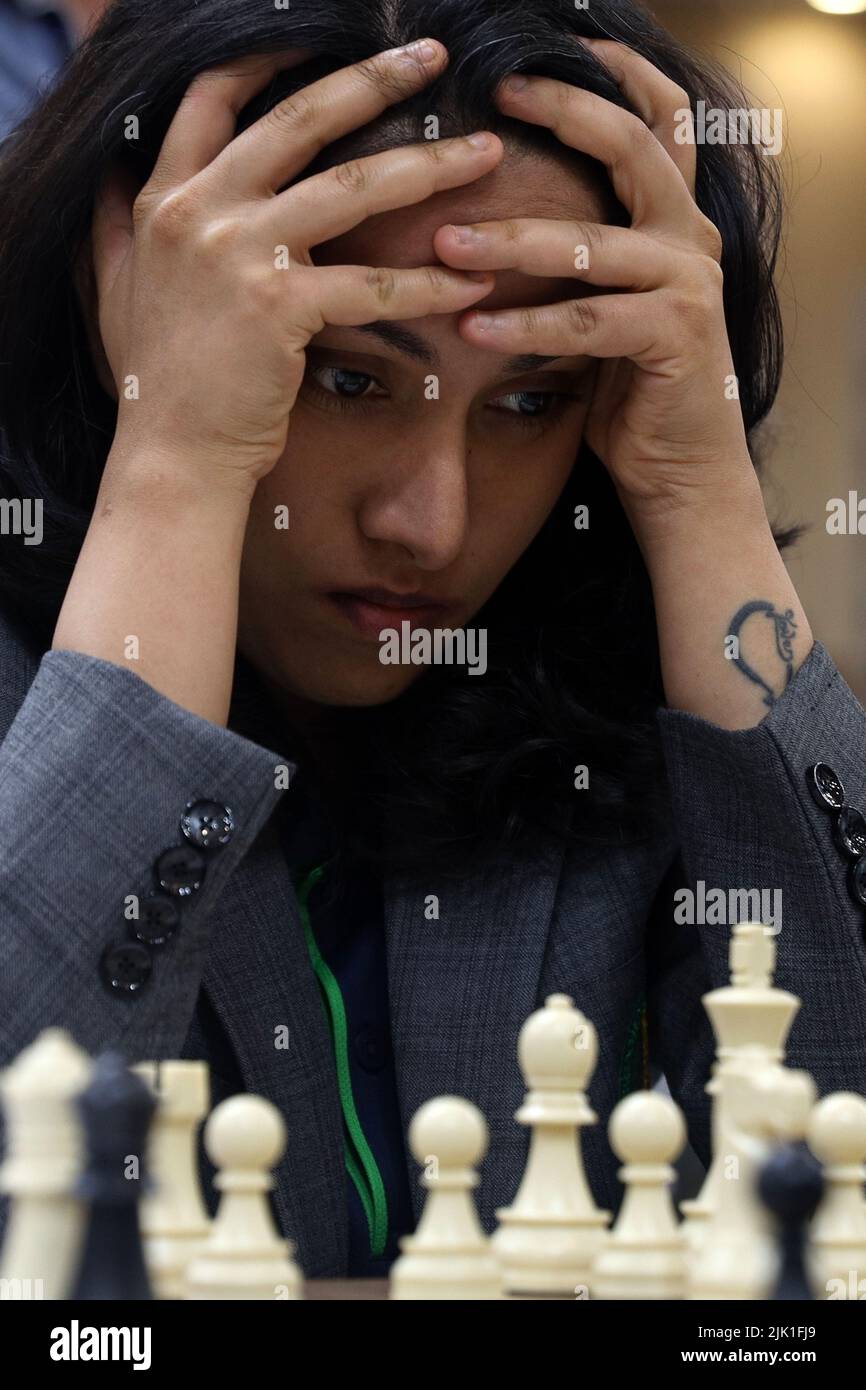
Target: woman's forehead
522,186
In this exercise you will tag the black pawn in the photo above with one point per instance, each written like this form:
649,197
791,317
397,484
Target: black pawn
791,1185
116,1110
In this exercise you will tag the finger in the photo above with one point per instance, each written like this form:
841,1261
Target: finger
348,295
331,203
644,177
613,325
618,257
112,224
663,105
270,152
206,119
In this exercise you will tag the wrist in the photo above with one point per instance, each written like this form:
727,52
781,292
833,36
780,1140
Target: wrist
157,479
706,516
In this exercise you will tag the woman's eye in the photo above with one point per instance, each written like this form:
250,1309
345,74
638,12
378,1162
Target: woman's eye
344,388
346,384
532,403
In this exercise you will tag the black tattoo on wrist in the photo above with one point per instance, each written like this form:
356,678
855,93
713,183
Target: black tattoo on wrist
785,632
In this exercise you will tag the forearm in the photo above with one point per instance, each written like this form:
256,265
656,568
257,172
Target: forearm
732,631
155,588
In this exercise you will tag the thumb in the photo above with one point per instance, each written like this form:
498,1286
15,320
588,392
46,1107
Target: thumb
611,388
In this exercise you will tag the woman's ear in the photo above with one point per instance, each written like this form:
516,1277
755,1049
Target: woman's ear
87,294
100,260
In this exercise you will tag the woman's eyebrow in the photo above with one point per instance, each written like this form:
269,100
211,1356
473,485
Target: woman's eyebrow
412,345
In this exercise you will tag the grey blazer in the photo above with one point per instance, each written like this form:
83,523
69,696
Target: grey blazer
96,768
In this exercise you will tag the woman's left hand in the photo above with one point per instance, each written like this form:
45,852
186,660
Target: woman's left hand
666,418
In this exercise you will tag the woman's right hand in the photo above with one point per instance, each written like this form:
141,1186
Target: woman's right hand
203,332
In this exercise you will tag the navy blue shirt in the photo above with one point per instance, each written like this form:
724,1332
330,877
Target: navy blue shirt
347,920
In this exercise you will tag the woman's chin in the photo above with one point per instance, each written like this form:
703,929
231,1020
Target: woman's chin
348,689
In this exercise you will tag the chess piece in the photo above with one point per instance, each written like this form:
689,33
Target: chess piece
449,1256
737,1256
244,1256
116,1110
785,1101
548,1238
751,1020
645,1255
174,1220
43,1162
790,1185
837,1256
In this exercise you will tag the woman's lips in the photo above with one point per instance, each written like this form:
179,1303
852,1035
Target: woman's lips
370,618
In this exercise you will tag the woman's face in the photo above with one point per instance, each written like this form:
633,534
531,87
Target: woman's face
415,462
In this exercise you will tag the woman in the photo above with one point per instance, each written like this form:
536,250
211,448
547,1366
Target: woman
248,768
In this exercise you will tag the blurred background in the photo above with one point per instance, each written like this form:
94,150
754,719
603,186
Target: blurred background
807,58
812,65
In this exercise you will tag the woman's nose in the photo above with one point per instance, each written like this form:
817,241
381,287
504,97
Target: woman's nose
421,502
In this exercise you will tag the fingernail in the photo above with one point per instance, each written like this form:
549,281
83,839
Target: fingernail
486,321
480,275
422,51
481,140
515,83
464,235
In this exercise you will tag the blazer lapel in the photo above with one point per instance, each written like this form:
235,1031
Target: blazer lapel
464,964
262,986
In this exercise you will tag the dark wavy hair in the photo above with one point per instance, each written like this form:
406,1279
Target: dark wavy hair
460,764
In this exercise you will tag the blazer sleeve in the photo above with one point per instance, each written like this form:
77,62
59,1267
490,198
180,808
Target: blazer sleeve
746,818
96,770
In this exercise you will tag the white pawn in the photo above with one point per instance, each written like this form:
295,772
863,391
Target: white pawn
548,1238
244,1256
645,1257
174,1219
449,1256
837,1255
43,1163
